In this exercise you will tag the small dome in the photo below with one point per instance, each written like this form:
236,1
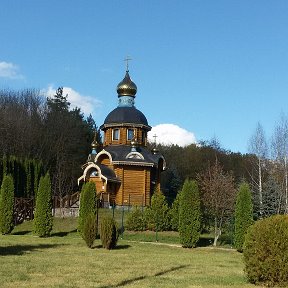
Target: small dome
126,87
94,144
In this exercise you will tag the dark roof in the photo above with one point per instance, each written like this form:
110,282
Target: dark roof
126,115
107,172
120,152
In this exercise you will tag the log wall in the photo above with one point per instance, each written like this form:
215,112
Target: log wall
139,132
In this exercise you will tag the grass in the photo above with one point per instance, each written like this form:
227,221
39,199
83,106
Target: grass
29,261
64,260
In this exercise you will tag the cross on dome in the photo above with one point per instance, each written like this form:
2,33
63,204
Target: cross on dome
127,59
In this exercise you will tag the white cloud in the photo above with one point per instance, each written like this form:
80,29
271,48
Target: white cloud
87,104
9,70
171,134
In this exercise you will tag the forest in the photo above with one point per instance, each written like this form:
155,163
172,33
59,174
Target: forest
40,134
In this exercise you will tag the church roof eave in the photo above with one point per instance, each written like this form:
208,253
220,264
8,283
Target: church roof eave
127,124
133,163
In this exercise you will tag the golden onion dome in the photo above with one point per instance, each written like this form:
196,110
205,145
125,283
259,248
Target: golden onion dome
126,87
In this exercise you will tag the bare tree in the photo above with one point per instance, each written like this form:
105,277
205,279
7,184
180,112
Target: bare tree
218,195
258,146
279,145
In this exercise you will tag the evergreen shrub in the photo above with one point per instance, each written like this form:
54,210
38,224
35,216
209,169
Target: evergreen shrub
108,233
174,213
90,230
189,214
7,205
157,216
266,251
243,215
135,220
88,203
43,218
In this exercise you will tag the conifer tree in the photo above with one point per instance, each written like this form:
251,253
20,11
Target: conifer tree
157,216
43,221
7,205
174,212
189,214
243,215
88,204
108,232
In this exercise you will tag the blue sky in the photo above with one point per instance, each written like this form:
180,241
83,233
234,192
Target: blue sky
212,68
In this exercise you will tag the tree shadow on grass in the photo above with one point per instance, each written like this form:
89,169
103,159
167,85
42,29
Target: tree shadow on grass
118,247
21,249
205,241
21,232
63,234
130,281
122,247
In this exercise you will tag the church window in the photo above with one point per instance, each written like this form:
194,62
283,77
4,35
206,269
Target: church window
115,135
93,173
143,137
130,134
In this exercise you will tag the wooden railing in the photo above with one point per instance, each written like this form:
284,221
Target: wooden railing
67,201
23,209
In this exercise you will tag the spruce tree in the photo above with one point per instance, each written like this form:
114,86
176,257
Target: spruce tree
88,204
7,205
243,215
189,214
43,219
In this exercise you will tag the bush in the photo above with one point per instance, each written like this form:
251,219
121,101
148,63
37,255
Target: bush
43,221
157,215
189,214
7,205
266,251
135,220
88,203
108,233
243,215
90,230
174,213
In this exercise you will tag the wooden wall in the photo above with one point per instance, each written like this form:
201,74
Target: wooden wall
99,184
139,132
135,185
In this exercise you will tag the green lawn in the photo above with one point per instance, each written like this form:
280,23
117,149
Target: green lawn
63,260
29,261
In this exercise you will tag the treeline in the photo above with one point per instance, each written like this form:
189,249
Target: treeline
190,161
47,131
26,174
265,167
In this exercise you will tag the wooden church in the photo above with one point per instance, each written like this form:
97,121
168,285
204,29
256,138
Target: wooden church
125,171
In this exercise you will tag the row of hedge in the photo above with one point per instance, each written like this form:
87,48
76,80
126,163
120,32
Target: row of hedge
184,216
43,220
